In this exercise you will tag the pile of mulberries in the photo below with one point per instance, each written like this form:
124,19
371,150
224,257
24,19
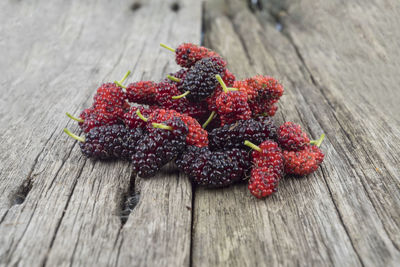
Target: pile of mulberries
216,129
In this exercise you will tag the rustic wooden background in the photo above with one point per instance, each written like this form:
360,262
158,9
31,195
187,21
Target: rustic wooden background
339,62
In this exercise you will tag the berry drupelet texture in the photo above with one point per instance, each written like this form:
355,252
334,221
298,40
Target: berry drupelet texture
265,87
232,106
243,86
267,168
111,142
159,147
270,155
108,107
200,80
197,135
271,110
214,169
269,127
92,117
187,54
109,95
142,92
262,92
263,182
233,135
166,91
290,136
178,78
229,80
263,107
197,111
303,162
132,120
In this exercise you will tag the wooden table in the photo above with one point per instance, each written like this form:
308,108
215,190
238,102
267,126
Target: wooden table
339,63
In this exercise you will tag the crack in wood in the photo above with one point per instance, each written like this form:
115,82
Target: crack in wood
135,6
129,200
22,192
119,248
175,7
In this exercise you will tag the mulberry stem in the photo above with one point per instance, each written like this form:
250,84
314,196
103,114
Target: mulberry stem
252,146
180,96
74,118
162,126
318,142
174,79
167,47
119,83
140,115
126,76
76,137
223,85
210,118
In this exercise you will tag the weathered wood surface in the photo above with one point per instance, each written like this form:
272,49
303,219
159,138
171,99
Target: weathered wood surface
56,54
339,64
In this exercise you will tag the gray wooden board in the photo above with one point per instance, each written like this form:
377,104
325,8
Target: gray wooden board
54,55
338,62
347,213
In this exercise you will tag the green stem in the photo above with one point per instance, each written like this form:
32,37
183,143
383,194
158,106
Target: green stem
174,79
252,146
210,118
74,118
182,95
162,126
126,76
119,83
224,87
222,83
140,115
167,47
79,138
318,142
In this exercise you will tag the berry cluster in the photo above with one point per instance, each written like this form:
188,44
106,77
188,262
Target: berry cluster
204,120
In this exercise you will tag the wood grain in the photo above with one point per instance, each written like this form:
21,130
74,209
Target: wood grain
58,208
347,213
338,61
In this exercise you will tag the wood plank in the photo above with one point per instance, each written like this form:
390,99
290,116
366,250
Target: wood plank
56,207
357,49
347,213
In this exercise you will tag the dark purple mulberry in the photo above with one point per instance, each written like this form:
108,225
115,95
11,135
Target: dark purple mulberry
200,80
159,147
109,142
233,135
214,169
